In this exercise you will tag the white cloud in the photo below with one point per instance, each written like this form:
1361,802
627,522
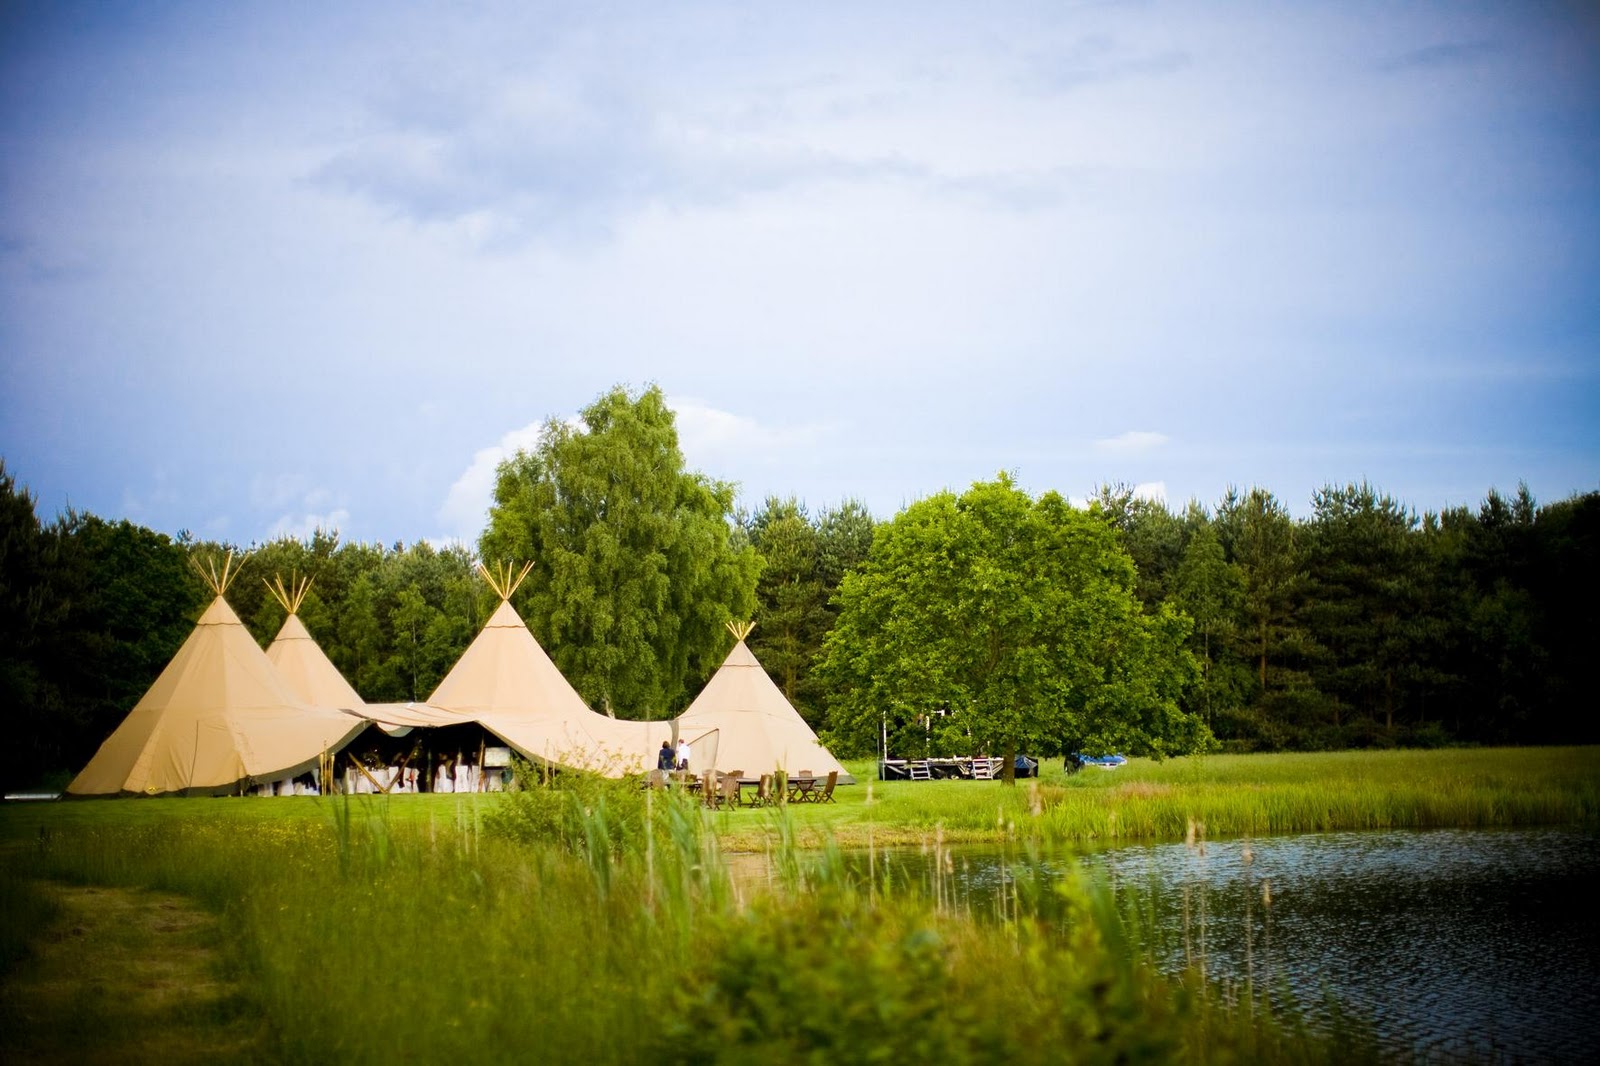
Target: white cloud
1133,442
276,490
302,526
301,508
711,438
467,503
1151,490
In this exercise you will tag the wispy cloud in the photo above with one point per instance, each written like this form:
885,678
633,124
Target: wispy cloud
1134,442
711,438
558,148
303,508
1451,54
1096,60
466,505
301,526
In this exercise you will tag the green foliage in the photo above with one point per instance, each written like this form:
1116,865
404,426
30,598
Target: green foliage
1366,602
1153,537
1209,590
803,562
1363,625
567,808
431,937
877,984
1018,618
635,567
30,614
93,610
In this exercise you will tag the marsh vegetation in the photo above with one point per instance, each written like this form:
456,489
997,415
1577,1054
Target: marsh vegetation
601,921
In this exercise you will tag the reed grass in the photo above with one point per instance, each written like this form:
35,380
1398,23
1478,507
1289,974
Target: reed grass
361,935
1228,795
608,923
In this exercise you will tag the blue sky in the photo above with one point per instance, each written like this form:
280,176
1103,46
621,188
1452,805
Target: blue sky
269,266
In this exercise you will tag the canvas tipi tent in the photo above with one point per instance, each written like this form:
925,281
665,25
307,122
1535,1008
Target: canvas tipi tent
314,678
507,682
218,718
760,729
298,657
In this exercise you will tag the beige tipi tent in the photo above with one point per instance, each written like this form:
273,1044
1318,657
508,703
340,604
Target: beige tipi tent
218,718
301,661
760,729
314,678
505,681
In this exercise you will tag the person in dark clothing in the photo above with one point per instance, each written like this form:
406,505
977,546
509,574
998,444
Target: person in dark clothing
666,758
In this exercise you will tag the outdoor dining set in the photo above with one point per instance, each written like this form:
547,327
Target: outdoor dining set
731,789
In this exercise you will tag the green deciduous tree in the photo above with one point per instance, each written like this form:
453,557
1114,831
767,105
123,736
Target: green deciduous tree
1019,618
129,601
636,566
30,617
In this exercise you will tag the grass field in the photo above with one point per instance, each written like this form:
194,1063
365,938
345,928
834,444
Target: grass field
1220,795
601,922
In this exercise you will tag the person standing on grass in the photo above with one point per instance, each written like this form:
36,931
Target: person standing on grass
666,758
683,754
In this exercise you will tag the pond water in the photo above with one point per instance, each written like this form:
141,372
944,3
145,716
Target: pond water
1454,944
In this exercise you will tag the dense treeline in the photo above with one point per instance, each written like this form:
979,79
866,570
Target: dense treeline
1367,624
1362,624
91,611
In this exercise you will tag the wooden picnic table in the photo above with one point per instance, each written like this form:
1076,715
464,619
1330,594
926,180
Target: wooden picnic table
802,789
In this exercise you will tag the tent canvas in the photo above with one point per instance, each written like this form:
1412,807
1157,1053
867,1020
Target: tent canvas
308,670
314,678
218,717
507,682
760,728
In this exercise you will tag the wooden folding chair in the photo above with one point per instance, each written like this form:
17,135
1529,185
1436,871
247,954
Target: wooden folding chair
826,795
763,794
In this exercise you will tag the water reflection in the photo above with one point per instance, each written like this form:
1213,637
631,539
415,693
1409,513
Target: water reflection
1476,944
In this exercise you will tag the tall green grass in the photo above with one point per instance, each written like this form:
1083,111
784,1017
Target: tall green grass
602,924
1228,795
601,921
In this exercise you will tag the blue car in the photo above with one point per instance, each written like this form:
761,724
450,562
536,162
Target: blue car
1077,760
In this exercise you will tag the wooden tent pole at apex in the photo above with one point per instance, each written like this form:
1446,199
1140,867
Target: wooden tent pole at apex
218,581
503,582
292,595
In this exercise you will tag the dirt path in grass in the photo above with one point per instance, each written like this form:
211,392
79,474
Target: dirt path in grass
124,976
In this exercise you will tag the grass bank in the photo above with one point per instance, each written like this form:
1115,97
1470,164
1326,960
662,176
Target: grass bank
1220,795
1223,795
603,926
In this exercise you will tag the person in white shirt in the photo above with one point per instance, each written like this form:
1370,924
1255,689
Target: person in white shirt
683,754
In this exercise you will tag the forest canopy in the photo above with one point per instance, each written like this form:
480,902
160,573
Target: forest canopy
1119,622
